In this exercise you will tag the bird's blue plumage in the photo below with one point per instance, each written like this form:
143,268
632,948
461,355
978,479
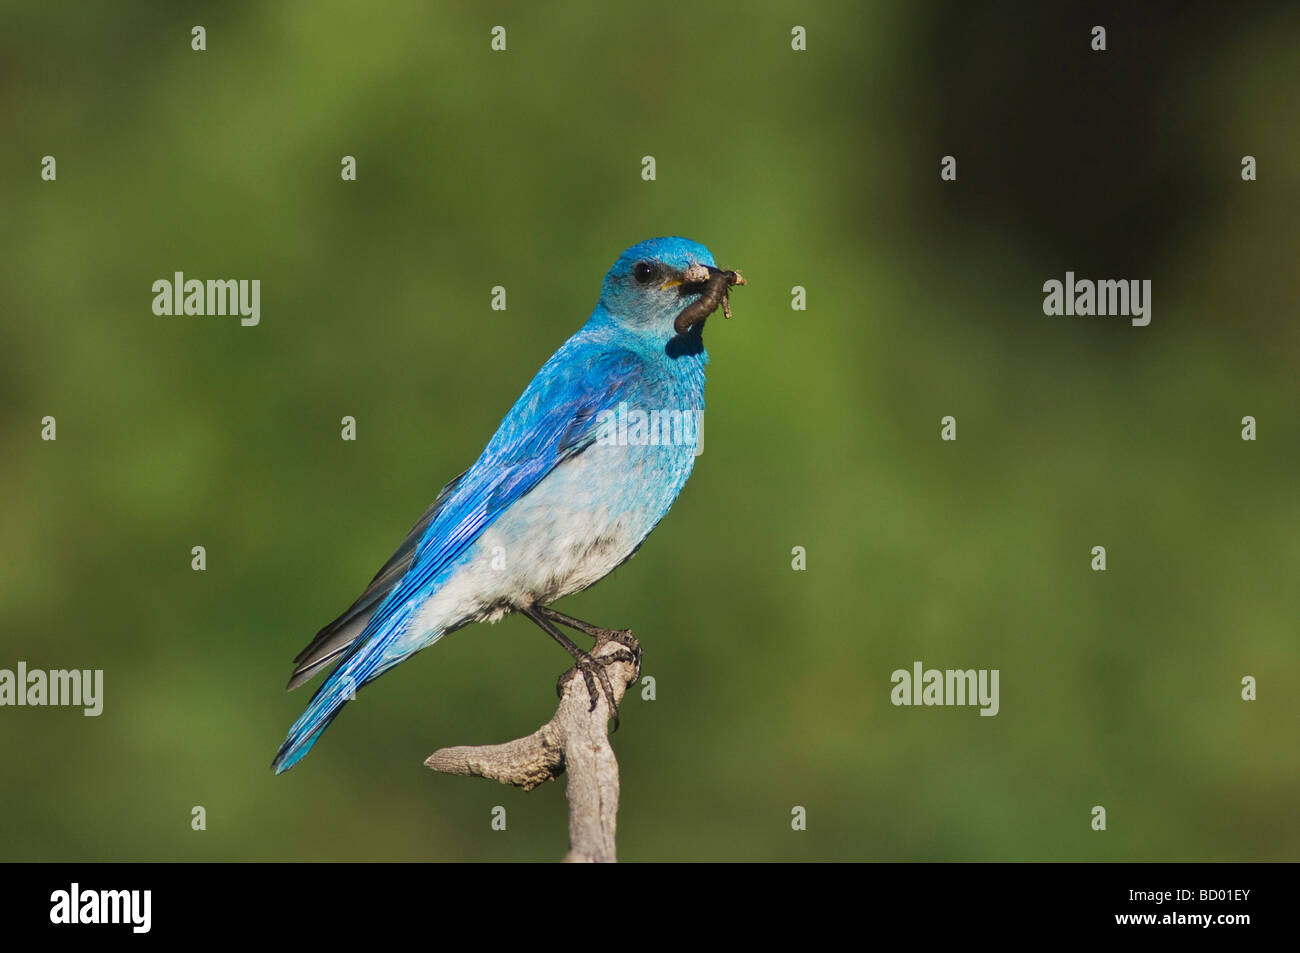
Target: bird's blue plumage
553,503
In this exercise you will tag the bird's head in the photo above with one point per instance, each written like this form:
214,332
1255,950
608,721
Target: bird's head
665,287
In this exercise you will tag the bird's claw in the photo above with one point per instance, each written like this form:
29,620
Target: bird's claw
625,638
593,668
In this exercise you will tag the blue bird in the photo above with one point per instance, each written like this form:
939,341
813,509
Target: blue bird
582,468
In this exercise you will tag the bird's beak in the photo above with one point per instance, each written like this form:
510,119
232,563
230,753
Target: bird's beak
692,280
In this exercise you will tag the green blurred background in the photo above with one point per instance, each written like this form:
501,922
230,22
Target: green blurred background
816,168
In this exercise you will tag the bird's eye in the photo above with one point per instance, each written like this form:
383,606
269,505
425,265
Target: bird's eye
643,271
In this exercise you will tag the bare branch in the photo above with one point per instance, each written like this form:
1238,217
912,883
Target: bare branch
576,740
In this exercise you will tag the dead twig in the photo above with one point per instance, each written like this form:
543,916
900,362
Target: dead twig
575,741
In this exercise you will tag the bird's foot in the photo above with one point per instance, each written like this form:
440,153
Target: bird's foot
625,638
592,666
593,669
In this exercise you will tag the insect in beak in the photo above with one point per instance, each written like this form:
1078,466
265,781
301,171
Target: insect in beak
713,285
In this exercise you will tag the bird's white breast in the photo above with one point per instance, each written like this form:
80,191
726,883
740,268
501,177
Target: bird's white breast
585,518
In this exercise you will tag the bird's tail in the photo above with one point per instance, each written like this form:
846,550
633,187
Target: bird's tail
365,662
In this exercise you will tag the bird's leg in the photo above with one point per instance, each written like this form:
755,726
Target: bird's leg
623,637
590,666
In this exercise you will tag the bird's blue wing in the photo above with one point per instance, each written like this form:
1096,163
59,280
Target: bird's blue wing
553,420
337,637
